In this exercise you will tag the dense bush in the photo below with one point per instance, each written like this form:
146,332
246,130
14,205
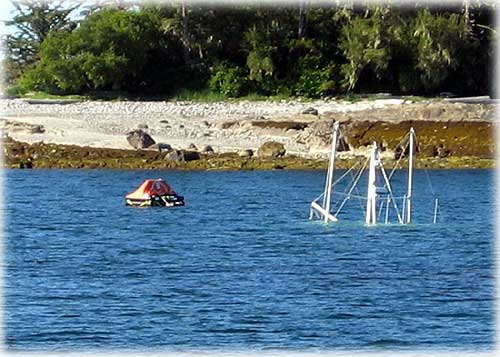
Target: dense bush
315,83
228,81
107,52
240,50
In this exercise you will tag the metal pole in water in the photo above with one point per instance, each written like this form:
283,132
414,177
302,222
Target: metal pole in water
404,209
331,168
410,177
387,210
380,208
436,202
371,196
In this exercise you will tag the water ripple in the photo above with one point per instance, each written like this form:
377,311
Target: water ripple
233,270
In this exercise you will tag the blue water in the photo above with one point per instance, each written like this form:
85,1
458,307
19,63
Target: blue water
240,267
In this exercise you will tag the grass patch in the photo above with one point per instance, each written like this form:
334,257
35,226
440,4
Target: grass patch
415,99
205,95
201,95
43,95
354,97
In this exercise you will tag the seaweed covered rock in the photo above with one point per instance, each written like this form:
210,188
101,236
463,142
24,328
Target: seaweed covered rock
181,155
139,139
191,155
271,149
441,151
160,147
174,156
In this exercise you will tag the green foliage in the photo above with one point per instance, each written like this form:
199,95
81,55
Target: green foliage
33,22
205,95
15,90
189,50
315,83
228,81
310,72
438,40
365,43
108,51
260,57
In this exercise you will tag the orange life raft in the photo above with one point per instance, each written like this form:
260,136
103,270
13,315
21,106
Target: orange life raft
154,192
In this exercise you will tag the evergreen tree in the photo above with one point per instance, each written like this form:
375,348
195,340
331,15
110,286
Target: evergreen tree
34,20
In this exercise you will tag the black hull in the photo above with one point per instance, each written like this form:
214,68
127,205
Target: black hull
156,201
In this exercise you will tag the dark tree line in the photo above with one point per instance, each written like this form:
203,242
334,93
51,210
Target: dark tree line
234,50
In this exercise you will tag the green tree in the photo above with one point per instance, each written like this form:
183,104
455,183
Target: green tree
365,43
34,20
438,39
228,81
109,50
307,50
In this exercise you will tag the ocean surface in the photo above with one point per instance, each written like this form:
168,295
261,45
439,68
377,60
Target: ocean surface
241,267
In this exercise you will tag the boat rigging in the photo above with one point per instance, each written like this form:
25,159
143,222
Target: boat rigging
380,199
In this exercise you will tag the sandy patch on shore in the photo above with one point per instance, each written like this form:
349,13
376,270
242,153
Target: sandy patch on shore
226,126
105,124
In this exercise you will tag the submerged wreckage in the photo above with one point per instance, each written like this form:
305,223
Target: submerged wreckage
380,198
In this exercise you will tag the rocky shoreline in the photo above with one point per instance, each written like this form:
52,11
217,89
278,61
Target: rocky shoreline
231,136
40,155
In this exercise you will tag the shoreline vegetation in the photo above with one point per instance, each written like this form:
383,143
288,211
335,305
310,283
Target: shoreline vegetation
189,50
208,87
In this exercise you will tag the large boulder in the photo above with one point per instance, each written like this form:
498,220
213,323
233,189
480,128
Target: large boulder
174,155
191,155
207,149
245,153
310,111
160,147
181,155
16,126
139,139
271,149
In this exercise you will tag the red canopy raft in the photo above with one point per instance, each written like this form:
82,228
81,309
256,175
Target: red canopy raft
154,192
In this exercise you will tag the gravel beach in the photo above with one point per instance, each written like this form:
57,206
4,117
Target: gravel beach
105,124
302,126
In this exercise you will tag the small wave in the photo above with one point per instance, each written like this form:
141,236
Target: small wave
252,321
135,275
341,316
455,315
387,342
53,335
131,313
234,330
67,316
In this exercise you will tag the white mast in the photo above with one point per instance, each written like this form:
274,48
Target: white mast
371,197
324,210
410,177
331,169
